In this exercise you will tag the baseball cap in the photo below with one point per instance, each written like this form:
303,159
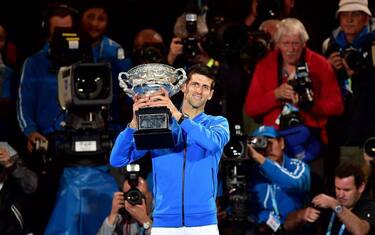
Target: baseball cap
353,5
266,131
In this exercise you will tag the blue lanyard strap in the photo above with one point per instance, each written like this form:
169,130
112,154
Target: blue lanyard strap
330,225
273,199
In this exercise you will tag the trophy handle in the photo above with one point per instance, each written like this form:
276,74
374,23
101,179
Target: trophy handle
126,86
181,78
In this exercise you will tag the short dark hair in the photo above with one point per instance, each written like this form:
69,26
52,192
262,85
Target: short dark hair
347,169
60,10
203,70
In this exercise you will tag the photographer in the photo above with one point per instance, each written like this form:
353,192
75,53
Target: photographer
317,95
278,184
186,49
348,213
350,50
16,183
139,222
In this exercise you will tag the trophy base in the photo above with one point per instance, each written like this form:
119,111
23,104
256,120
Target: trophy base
153,139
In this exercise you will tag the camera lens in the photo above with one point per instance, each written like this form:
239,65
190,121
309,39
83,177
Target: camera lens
134,196
369,147
92,82
259,142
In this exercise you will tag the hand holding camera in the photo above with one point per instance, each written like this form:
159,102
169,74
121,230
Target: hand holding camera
257,147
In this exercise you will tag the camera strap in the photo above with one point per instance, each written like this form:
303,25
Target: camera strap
330,225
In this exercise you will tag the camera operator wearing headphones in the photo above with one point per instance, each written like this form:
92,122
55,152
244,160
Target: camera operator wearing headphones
139,222
347,213
271,85
278,184
350,50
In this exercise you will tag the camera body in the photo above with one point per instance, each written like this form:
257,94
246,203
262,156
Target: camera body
302,85
355,58
190,43
134,196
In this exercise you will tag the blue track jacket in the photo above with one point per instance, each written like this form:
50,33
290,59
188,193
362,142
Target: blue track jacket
292,184
185,184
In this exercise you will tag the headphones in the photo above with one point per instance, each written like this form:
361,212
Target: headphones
58,9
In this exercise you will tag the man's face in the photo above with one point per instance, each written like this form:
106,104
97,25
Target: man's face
61,22
94,22
275,149
291,48
347,193
353,22
198,91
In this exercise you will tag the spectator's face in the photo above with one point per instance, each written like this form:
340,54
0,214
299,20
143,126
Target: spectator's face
94,22
347,193
61,22
275,149
291,48
353,22
198,91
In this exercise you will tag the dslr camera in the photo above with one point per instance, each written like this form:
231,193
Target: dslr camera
259,143
134,196
355,58
302,84
190,43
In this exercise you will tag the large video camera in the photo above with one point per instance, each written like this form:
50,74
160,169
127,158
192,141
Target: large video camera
302,84
85,93
235,168
190,43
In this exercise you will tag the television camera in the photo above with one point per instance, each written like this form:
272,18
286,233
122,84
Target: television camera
235,166
85,93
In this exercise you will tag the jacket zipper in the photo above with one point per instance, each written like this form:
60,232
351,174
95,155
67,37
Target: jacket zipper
183,187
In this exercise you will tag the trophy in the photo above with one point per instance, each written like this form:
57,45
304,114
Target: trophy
153,131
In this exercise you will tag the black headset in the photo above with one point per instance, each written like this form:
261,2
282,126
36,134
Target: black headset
58,9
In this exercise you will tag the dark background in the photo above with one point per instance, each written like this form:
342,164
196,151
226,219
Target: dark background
126,17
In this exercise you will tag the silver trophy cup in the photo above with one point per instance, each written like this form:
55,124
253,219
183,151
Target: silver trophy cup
153,130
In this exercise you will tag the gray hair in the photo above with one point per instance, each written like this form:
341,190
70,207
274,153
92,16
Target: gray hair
291,26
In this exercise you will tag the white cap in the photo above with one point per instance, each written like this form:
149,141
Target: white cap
353,5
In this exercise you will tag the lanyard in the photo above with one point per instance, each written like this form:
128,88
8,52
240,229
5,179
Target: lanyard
273,199
342,228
